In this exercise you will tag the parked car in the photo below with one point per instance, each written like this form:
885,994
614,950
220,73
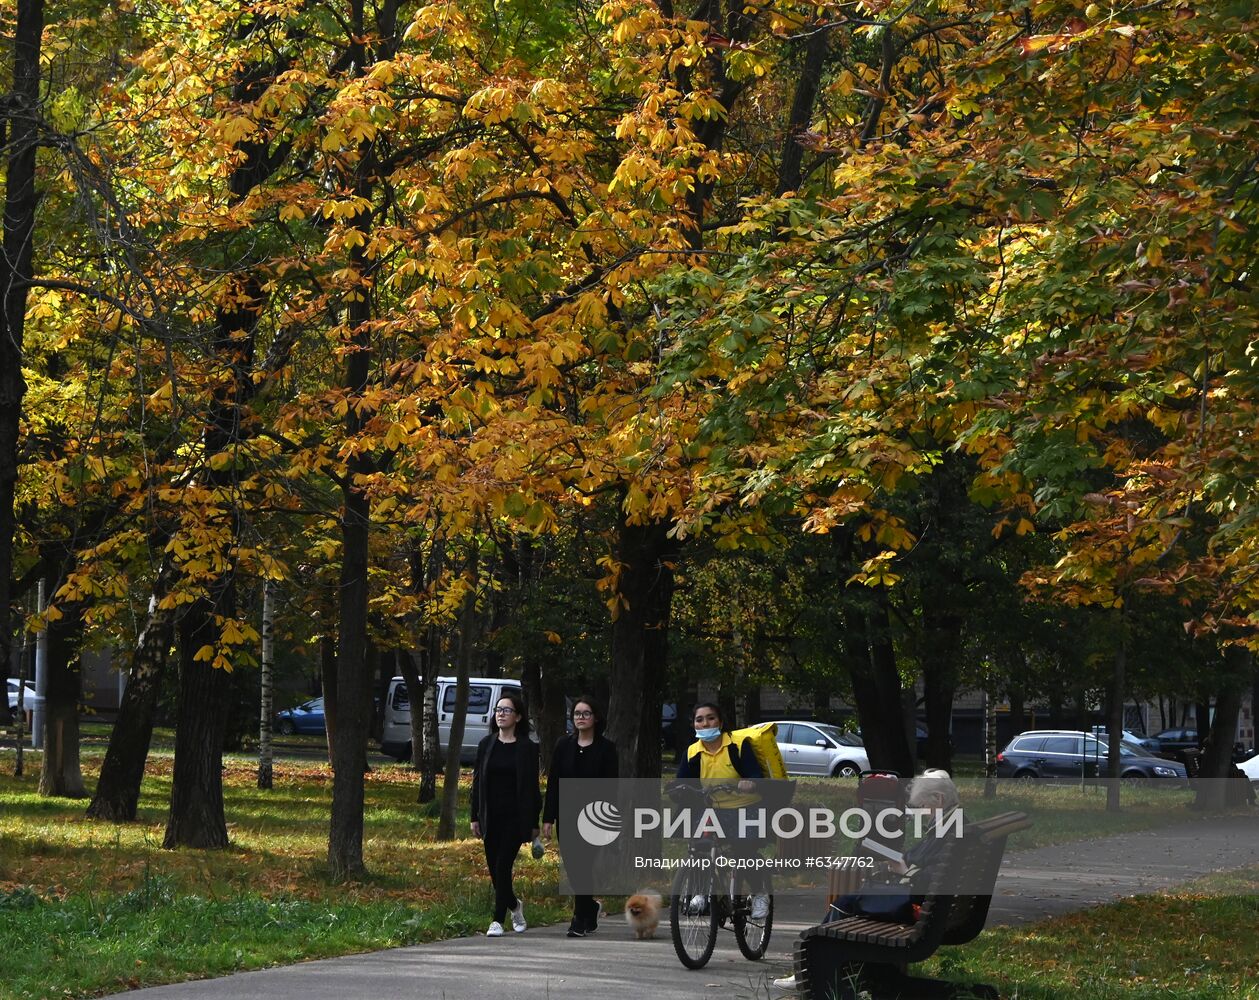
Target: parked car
1250,768
29,697
920,737
1175,740
1128,736
1069,755
818,748
483,695
305,718
1177,743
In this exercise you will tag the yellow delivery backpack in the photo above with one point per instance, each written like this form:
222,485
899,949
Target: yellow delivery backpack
764,739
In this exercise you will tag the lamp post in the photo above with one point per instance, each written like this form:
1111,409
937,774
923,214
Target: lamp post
41,677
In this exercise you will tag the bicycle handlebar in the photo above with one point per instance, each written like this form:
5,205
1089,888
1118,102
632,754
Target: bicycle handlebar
706,792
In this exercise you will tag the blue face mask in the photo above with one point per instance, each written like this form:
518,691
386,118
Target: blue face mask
707,734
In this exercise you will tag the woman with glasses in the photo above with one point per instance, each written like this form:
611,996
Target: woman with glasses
505,803
583,753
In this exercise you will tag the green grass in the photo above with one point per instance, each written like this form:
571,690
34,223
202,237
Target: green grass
1197,943
85,944
88,908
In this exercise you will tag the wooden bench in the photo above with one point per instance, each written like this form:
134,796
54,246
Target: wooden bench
836,960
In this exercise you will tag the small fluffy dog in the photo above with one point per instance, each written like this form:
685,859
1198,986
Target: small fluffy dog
642,913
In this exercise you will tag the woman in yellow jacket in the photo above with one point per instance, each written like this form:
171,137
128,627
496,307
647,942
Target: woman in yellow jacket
716,759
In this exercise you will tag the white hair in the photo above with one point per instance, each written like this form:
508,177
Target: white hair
933,781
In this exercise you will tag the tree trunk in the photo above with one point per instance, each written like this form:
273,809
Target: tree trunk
1083,720
266,684
1216,764
454,746
752,704
1018,710
1254,704
939,652
1056,713
418,671
531,688
118,790
728,705
196,816
349,741
990,742
544,697
430,757
426,753
16,269
1202,719
876,685
645,554
1115,719
807,85
61,774
240,709
553,715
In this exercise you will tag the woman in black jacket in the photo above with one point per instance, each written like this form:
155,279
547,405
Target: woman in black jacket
505,803
585,753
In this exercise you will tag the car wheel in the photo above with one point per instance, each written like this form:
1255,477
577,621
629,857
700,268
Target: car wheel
1025,777
404,756
286,727
1134,779
845,769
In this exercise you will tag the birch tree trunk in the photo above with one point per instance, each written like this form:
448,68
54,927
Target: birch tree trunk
265,753
990,742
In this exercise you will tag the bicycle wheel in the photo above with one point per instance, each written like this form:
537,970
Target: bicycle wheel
751,933
694,927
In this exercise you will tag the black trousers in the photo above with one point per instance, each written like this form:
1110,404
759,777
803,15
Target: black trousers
501,849
585,909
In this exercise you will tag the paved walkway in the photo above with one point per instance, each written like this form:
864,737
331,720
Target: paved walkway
543,964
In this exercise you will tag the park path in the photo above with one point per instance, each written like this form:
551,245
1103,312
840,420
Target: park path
543,964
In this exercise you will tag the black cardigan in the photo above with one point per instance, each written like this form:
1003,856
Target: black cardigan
564,765
528,797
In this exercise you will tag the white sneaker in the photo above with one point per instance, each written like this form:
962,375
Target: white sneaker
787,984
760,906
698,904
518,917
496,929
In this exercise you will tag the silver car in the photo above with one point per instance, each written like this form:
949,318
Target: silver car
818,748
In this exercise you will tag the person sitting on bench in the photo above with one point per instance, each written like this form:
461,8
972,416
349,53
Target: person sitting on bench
933,790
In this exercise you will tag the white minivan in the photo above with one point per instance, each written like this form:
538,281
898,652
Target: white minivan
483,695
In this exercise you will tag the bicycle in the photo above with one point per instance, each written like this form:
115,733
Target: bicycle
725,895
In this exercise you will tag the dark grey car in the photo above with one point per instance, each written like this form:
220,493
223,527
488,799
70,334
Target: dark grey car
1066,755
